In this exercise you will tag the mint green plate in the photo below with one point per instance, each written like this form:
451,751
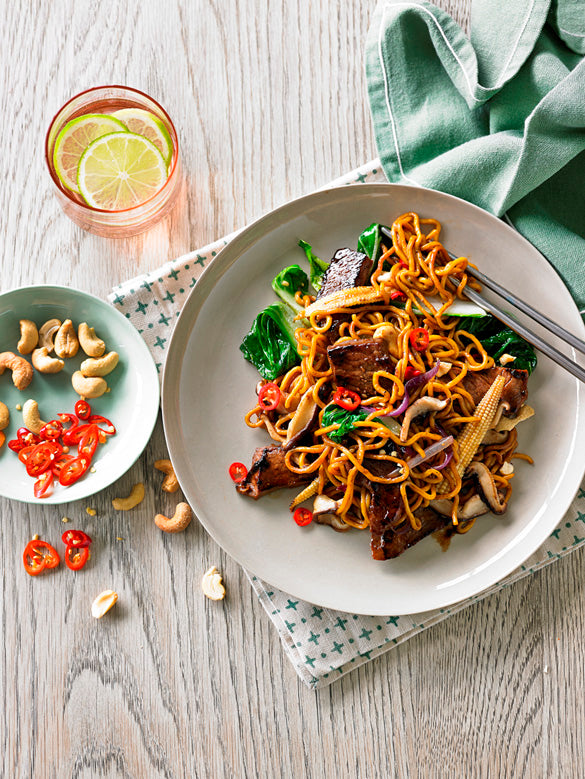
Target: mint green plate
132,404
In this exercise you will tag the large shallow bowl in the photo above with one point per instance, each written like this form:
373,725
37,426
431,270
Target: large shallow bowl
132,404
208,387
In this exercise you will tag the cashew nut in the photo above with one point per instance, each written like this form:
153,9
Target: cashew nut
66,343
136,496
103,603
92,387
170,482
47,333
178,522
99,366
44,363
31,417
211,584
90,343
22,372
29,336
4,415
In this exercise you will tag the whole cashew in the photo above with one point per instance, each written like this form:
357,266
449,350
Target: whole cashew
136,496
92,387
4,415
90,343
31,417
47,334
66,343
44,363
170,482
100,366
22,372
29,336
178,522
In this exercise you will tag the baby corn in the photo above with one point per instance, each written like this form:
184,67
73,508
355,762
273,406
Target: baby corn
308,492
357,296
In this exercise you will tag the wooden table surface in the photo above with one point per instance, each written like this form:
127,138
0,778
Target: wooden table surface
270,102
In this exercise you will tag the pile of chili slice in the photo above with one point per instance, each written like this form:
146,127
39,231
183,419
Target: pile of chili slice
47,457
40,556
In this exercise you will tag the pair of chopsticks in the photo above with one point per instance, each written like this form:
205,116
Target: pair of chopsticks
529,335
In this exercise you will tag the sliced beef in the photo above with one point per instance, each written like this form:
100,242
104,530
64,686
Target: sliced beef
355,362
347,269
269,472
514,393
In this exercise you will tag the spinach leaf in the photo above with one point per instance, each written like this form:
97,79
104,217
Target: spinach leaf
317,266
497,339
270,345
335,415
370,241
288,281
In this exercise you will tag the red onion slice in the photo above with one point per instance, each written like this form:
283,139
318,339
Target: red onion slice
411,385
427,454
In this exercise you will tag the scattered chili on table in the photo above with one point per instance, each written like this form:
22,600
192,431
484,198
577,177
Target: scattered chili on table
38,556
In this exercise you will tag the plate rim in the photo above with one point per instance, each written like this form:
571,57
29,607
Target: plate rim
148,429
211,276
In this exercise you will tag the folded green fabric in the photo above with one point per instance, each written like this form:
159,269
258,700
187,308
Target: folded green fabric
497,119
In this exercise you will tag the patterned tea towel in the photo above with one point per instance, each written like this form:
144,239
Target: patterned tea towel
322,644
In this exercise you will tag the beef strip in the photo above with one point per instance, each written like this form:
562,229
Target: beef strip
354,363
347,269
514,393
268,472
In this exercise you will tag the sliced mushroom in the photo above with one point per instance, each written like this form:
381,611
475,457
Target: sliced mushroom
509,423
388,333
324,513
303,420
487,486
444,368
473,507
495,437
420,406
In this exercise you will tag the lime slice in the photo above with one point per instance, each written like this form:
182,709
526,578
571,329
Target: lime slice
74,139
137,120
119,171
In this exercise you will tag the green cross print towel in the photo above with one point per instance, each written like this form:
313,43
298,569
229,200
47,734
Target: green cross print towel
322,644
497,119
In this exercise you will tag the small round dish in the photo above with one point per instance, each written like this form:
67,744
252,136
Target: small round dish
132,404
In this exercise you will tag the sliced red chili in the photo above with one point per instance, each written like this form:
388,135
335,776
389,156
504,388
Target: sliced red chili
42,456
73,435
59,463
82,409
103,423
76,538
269,396
347,399
76,557
44,485
397,295
27,437
74,470
15,445
25,452
419,339
51,431
89,441
410,373
238,472
303,516
39,555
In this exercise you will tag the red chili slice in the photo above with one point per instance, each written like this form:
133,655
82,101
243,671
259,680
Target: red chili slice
15,445
51,431
75,538
76,557
397,295
44,485
39,555
27,437
419,339
269,396
59,463
303,516
82,409
238,472
74,470
410,373
103,423
42,456
73,435
89,441
347,399
24,453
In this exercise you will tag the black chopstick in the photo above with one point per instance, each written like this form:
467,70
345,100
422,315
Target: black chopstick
525,332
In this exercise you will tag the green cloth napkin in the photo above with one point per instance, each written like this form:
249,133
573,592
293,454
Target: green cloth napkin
497,119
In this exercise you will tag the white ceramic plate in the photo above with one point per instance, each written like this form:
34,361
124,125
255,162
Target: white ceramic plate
208,387
132,404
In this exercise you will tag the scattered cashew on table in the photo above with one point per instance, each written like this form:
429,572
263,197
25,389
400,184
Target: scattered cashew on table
135,497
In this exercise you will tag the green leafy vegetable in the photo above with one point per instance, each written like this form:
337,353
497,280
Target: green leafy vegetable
370,241
318,266
270,345
288,281
335,415
497,339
